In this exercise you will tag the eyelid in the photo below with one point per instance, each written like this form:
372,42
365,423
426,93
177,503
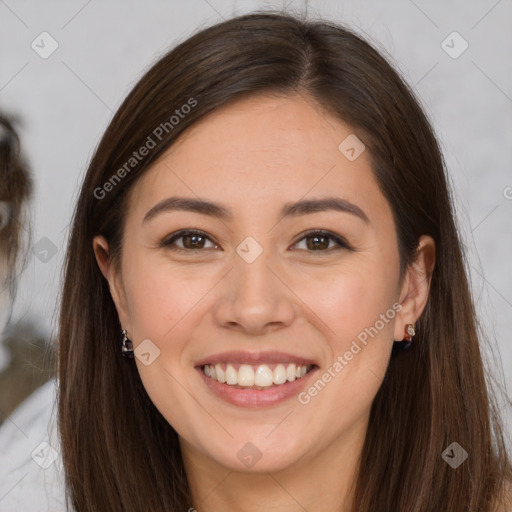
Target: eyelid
338,239
341,241
167,241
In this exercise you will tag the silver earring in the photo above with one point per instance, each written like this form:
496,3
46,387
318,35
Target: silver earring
126,345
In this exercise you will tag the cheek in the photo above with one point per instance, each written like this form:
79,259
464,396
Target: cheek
358,317
352,300
358,308
163,303
160,296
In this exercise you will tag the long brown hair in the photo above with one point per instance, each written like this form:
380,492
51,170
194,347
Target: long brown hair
119,453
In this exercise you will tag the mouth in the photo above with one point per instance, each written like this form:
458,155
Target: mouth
263,376
255,379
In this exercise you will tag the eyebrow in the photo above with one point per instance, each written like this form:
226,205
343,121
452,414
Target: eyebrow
297,209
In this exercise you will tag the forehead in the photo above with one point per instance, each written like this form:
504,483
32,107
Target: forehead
263,150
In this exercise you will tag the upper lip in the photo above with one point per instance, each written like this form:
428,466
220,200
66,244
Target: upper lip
255,358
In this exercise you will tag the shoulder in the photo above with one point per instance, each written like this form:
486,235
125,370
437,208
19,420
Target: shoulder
31,476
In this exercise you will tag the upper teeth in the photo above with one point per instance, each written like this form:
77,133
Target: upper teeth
247,375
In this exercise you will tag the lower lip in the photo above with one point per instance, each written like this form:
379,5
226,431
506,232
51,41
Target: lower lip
257,397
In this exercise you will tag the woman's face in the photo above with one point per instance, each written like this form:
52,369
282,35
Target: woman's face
258,289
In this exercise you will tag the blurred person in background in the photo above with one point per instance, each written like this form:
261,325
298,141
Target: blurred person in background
26,460
15,190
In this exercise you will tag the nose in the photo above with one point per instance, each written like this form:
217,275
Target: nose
254,298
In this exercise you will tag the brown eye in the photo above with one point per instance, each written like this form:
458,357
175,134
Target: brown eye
320,241
191,240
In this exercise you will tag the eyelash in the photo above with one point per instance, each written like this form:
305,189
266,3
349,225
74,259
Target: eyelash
169,241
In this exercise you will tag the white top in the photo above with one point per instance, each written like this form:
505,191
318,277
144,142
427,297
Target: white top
31,476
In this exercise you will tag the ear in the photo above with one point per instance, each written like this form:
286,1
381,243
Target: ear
113,277
416,285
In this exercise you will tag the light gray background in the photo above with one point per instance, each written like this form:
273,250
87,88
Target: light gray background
67,100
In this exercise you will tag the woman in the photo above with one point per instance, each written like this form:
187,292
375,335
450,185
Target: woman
264,225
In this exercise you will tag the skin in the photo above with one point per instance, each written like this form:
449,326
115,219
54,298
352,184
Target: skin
254,155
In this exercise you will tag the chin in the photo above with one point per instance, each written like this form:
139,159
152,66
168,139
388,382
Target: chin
244,455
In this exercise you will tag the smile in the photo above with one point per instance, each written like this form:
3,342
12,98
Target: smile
256,379
263,376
